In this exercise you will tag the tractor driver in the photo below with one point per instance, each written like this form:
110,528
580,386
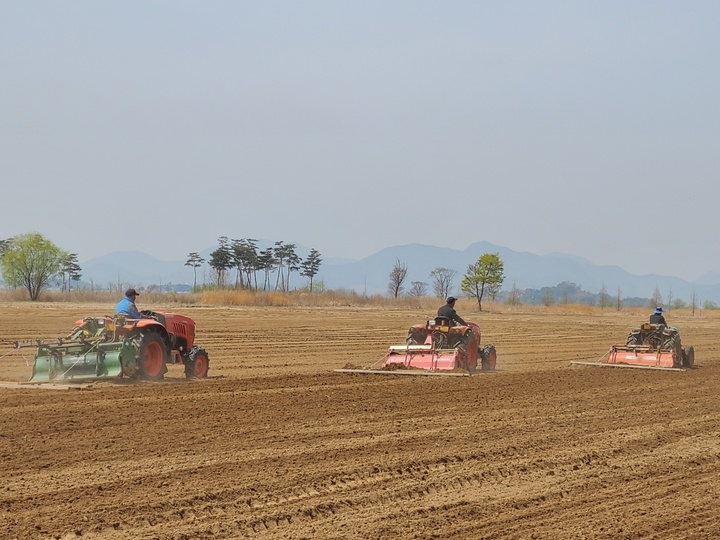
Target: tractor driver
657,317
448,311
127,306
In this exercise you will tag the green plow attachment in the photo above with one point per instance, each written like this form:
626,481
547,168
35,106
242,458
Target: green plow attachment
54,364
90,352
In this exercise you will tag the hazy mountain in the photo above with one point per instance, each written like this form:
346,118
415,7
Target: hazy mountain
526,270
371,274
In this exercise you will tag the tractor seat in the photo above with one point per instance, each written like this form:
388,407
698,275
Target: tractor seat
440,321
651,327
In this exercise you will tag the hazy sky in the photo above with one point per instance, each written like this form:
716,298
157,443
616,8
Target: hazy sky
584,127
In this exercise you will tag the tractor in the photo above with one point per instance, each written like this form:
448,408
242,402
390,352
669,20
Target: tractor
437,345
650,346
436,348
654,344
110,347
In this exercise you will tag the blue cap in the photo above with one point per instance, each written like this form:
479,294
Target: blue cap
659,310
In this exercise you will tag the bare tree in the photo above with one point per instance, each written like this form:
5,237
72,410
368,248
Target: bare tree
442,280
618,299
657,298
397,278
694,302
514,296
418,289
548,299
604,297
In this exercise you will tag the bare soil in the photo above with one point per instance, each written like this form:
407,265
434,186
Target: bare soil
276,445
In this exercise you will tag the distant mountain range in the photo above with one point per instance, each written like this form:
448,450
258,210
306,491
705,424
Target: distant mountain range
371,275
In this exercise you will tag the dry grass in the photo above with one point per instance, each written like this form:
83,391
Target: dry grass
339,298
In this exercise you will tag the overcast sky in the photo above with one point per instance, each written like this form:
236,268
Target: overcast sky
590,128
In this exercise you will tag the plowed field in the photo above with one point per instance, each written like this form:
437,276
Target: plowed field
276,445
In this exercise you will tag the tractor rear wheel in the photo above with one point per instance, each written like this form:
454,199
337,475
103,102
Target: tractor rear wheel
489,357
688,357
470,366
151,355
197,364
469,346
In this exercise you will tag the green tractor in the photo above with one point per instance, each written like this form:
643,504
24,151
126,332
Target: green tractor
111,347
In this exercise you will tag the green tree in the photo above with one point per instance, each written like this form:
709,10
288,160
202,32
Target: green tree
244,252
286,259
310,266
266,262
31,261
195,261
485,277
221,260
72,269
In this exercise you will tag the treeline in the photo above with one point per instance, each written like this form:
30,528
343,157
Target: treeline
250,263
571,293
34,263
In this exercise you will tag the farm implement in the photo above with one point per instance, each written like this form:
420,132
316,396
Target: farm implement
436,348
112,347
651,346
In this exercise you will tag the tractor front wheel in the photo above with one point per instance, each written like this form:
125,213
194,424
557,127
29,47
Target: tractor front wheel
151,355
197,364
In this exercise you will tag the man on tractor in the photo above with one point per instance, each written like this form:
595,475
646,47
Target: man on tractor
448,311
127,306
658,319
657,316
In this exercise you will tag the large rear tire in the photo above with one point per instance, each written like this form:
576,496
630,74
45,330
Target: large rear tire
151,355
688,357
472,356
489,357
197,364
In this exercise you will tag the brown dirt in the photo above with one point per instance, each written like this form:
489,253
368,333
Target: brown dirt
274,444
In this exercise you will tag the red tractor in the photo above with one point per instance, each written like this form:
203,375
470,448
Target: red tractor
653,345
109,347
437,346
